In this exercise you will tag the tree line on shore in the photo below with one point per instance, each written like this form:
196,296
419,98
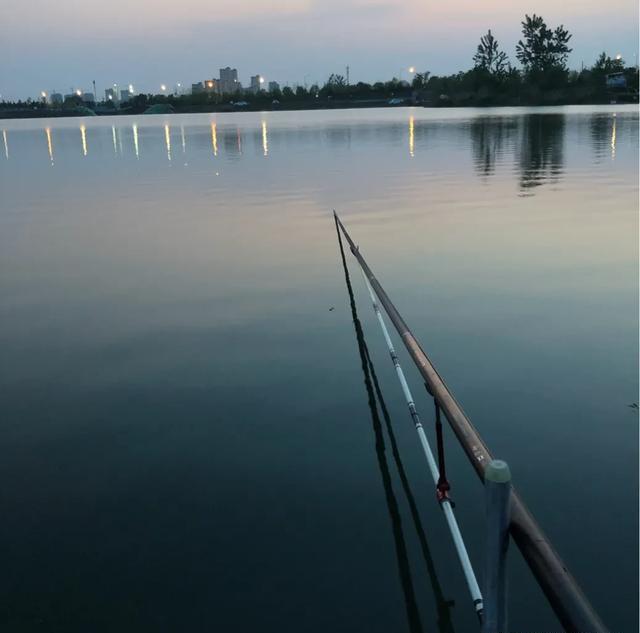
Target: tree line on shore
543,78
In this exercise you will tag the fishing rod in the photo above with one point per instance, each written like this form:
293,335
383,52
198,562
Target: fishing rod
402,556
562,591
443,606
445,501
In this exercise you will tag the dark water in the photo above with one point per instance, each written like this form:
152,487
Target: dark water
187,431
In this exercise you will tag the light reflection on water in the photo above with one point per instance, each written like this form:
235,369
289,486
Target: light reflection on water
185,413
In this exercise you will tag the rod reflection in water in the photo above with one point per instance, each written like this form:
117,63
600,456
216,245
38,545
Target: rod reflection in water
443,606
136,146
6,144
120,140
239,140
214,139
115,142
49,144
265,140
83,136
374,391
167,140
411,137
183,139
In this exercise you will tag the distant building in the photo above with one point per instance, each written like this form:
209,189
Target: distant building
56,98
274,86
211,85
256,84
87,97
616,81
197,88
110,94
228,83
125,95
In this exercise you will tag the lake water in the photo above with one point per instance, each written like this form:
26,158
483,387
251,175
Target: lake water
187,441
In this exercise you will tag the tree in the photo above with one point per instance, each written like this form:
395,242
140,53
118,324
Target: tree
420,80
489,57
605,65
543,50
336,81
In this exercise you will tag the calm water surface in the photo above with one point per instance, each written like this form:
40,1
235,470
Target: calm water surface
187,441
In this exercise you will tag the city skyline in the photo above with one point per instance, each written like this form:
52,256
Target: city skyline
292,41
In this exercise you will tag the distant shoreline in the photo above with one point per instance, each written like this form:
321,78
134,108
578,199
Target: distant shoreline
40,113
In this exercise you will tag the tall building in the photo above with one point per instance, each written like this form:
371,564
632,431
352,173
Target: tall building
125,95
256,84
110,94
197,88
87,97
56,98
228,83
274,86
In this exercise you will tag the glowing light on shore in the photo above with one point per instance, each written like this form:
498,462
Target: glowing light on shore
136,147
83,136
167,139
411,136
265,140
49,144
79,93
214,139
412,69
163,87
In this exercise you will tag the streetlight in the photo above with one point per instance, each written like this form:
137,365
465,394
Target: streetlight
261,80
79,92
412,69
43,94
130,89
618,57
163,87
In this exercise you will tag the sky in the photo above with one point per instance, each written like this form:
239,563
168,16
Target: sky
65,44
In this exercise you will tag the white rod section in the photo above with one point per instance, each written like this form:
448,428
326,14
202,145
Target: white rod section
461,550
